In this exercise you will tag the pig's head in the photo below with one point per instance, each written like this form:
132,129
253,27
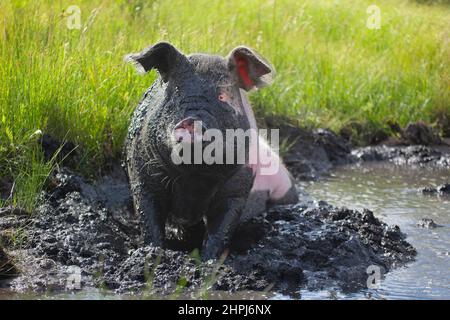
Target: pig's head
203,89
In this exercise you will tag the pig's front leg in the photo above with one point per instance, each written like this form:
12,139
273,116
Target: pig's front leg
148,205
148,208
224,215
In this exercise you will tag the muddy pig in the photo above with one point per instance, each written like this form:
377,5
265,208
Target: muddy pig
194,94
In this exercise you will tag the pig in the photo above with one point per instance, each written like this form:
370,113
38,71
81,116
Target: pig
209,90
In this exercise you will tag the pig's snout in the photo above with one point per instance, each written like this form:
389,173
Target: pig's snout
189,130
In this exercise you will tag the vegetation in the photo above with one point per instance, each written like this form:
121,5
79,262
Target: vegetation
332,70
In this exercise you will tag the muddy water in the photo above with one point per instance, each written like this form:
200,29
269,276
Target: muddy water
391,192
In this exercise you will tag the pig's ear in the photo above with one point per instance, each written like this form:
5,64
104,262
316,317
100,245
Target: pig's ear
251,69
162,56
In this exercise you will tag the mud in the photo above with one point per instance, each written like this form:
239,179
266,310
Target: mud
420,133
6,186
90,230
66,153
414,155
428,223
312,153
7,269
443,190
309,153
295,246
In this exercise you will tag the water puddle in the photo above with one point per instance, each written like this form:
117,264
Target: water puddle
391,192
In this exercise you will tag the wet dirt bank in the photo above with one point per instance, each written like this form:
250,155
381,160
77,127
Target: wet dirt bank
85,234
313,153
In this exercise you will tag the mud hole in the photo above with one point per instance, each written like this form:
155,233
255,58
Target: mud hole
86,234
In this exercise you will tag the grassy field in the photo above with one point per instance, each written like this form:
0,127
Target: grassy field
332,70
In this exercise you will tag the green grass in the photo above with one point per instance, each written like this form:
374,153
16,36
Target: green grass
331,69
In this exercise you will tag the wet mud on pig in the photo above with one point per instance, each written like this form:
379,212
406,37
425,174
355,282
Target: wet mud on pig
215,197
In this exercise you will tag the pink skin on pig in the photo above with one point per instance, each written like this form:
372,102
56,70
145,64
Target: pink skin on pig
278,183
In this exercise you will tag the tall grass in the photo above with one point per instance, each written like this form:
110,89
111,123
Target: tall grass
332,70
